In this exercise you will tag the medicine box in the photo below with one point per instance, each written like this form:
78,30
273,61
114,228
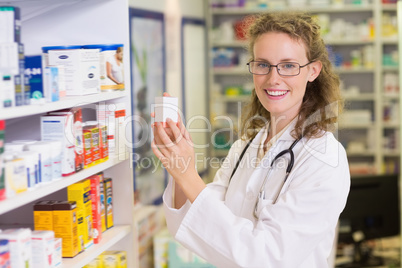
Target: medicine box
114,259
95,263
80,192
108,188
81,69
2,171
15,174
76,134
166,107
112,115
103,143
43,215
33,70
5,261
180,257
91,127
96,207
102,202
57,253
10,20
65,226
20,246
60,128
51,83
19,82
42,248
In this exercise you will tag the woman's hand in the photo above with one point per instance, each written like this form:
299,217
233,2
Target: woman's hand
174,148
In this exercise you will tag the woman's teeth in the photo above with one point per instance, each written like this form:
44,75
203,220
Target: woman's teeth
277,93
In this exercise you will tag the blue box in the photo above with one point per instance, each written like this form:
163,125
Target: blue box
33,70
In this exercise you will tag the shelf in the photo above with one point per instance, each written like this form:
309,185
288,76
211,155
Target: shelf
233,43
390,68
388,7
357,154
353,70
231,71
359,97
391,125
356,126
348,42
395,153
109,238
388,96
389,41
232,98
67,102
46,189
329,9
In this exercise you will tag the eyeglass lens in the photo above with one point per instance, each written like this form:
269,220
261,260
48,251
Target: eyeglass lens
284,68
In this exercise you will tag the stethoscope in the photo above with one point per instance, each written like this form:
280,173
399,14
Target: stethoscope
261,193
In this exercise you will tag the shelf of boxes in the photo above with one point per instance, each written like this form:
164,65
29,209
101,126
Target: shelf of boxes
51,187
66,23
109,239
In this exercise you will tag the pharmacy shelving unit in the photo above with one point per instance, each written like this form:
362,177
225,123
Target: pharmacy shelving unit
75,22
369,79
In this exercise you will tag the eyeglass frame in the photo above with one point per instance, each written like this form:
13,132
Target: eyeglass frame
277,70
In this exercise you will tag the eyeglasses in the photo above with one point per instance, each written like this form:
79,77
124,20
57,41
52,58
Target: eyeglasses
283,68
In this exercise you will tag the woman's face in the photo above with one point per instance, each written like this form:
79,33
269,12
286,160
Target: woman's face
282,96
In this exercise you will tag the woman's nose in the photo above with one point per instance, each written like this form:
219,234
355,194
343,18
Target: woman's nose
273,76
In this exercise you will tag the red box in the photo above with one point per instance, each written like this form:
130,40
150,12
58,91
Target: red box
96,207
104,147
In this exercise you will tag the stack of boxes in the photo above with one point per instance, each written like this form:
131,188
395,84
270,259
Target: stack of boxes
81,220
14,87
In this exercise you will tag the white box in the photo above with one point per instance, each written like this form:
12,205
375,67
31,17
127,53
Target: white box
16,180
57,253
81,69
166,107
60,128
42,243
9,58
113,116
51,83
20,246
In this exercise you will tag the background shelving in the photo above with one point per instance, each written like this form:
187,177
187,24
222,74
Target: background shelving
76,22
364,79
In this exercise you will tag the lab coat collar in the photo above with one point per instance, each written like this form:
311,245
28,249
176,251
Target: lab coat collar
286,136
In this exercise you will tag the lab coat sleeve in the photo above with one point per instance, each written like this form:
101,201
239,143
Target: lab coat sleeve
287,233
218,188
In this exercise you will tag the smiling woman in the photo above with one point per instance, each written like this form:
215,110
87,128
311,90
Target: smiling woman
282,211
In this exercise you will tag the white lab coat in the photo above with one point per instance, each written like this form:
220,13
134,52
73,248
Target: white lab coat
297,231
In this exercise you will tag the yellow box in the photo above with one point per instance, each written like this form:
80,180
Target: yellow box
114,259
43,216
80,192
65,226
102,203
95,263
108,188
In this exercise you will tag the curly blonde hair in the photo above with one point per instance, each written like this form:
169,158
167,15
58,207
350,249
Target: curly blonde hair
322,102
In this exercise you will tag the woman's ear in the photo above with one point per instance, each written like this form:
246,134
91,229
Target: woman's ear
315,69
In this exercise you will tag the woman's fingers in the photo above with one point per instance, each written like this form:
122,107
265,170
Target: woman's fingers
156,151
175,130
161,143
